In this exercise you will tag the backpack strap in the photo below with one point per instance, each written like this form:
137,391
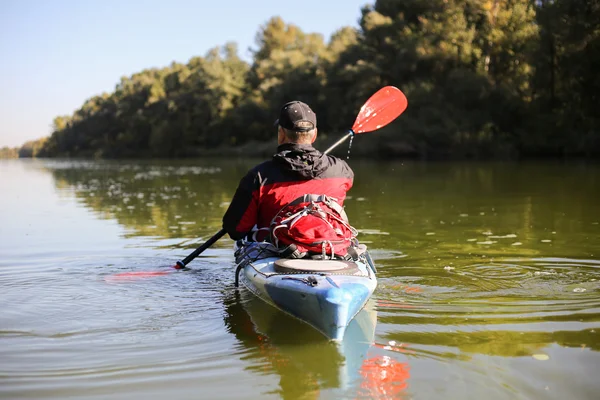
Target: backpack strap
331,202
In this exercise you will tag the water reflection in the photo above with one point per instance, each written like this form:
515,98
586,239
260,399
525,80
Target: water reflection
162,200
488,268
439,213
305,361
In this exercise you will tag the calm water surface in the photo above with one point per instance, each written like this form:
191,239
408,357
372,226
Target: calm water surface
489,285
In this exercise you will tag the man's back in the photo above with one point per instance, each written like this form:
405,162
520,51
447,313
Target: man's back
295,170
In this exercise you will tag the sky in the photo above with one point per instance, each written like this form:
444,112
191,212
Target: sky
55,54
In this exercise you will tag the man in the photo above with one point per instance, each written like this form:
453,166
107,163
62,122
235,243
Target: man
295,170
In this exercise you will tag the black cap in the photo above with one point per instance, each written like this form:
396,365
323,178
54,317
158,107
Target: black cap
296,111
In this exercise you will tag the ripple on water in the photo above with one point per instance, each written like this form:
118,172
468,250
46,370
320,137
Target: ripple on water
488,307
527,276
66,326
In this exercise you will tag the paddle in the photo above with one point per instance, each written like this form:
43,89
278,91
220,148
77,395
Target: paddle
199,250
382,108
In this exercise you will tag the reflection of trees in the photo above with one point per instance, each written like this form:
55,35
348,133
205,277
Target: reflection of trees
512,326
493,342
165,200
457,202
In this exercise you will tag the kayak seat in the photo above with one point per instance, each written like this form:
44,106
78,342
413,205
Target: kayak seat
300,265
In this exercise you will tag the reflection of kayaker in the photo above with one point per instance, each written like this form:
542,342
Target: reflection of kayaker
383,378
305,361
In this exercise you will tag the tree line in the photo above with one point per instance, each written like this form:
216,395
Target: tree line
484,78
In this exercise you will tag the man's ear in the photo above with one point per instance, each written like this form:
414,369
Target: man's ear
314,137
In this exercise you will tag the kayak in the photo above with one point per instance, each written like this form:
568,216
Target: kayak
326,294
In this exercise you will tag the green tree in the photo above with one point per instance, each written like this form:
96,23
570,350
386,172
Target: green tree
31,148
287,65
9,152
566,83
483,77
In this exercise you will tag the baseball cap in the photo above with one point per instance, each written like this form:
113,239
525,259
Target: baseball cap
296,111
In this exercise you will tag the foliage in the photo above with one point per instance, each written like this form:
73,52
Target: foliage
31,148
9,152
484,78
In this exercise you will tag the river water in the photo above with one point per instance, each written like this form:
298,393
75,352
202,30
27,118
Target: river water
489,285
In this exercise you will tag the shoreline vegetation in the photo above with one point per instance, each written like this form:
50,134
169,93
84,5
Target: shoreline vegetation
484,78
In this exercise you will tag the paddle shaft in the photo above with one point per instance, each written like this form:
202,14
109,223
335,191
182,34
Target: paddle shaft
342,140
199,250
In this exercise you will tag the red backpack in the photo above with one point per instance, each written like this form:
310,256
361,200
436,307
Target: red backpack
316,224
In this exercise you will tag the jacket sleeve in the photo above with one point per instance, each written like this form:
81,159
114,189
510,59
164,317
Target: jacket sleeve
242,214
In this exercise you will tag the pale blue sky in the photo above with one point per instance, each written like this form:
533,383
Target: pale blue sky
55,54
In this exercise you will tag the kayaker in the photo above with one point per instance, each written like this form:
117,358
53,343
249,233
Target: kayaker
296,169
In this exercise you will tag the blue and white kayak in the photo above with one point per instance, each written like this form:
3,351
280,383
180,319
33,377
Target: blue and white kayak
326,294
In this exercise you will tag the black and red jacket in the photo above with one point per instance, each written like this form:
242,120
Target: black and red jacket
295,170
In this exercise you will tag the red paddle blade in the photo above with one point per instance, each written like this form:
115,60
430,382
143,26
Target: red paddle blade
381,109
129,276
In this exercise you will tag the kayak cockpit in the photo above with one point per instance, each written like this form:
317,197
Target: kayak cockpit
287,265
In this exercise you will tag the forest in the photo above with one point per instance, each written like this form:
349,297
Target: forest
484,79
